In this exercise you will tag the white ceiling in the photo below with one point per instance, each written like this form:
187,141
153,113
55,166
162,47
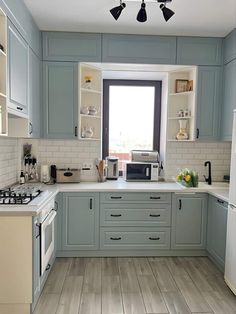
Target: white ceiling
192,17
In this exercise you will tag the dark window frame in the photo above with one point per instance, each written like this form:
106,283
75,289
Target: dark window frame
157,110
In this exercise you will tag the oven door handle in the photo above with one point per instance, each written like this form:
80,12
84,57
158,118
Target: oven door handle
50,218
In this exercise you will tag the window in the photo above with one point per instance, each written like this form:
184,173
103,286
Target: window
131,117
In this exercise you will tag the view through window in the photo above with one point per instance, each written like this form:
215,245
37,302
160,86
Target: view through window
130,112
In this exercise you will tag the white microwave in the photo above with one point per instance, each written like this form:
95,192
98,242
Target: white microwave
141,171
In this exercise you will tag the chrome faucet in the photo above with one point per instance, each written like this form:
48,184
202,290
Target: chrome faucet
208,180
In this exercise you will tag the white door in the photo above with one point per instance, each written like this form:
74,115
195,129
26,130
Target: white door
232,189
230,259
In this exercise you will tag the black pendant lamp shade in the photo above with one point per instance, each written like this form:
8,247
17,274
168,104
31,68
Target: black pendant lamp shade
142,14
116,11
167,13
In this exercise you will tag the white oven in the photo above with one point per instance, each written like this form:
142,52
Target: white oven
47,240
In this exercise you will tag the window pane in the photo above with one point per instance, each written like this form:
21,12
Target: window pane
131,119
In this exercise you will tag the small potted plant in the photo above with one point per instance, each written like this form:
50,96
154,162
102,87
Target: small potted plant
188,178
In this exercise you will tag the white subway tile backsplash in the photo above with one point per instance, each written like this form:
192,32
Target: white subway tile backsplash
193,156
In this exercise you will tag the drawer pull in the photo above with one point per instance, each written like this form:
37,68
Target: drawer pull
115,215
220,201
155,197
115,239
116,197
180,204
153,215
19,108
155,239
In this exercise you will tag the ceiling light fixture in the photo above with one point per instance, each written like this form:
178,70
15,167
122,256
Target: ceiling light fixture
142,14
116,11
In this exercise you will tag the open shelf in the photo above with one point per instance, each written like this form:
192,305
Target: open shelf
90,97
182,94
3,76
179,118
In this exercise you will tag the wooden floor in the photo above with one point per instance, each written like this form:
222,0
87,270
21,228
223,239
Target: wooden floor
135,286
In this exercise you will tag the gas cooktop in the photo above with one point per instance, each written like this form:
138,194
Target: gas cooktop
19,195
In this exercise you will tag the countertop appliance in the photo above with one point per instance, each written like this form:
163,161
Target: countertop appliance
141,171
112,168
145,156
68,175
230,258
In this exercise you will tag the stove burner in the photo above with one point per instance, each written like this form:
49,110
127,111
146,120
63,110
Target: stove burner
19,195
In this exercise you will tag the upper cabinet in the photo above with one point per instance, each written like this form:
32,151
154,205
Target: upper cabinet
3,74
209,101
138,49
199,51
229,103
230,47
17,71
65,46
60,100
35,94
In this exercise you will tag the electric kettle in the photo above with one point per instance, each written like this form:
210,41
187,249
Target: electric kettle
112,168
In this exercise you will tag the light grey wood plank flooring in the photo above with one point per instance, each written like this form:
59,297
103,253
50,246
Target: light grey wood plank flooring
154,285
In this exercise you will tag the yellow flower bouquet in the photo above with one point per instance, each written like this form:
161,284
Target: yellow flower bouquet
188,178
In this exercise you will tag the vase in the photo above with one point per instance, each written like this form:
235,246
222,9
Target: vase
183,133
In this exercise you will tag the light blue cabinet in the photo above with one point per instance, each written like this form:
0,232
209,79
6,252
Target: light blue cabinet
189,218
138,49
65,46
209,102
60,100
35,95
199,50
17,71
230,47
216,230
229,103
80,221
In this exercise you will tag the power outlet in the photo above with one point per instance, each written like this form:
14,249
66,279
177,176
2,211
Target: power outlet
87,166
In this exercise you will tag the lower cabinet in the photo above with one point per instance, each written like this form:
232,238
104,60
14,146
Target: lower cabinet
80,221
189,218
216,230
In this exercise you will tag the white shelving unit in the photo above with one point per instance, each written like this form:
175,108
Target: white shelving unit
178,101
90,97
3,75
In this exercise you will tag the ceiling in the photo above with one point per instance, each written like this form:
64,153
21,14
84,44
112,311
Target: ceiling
192,17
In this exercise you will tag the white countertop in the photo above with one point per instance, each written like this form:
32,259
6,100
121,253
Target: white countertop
218,189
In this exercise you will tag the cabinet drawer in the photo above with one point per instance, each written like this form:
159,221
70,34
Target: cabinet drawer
135,238
136,197
135,214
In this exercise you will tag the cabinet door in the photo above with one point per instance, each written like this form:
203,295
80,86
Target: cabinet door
34,95
60,103
65,46
36,262
229,103
80,222
199,50
189,222
138,49
230,47
209,99
216,229
18,71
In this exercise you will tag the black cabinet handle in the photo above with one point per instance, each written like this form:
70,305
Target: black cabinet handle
115,239
38,234
155,239
56,206
76,131
153,215
155,197
91,203
197,132
116,197
48,267
180,204
30,128
220,201
19,108
115,215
